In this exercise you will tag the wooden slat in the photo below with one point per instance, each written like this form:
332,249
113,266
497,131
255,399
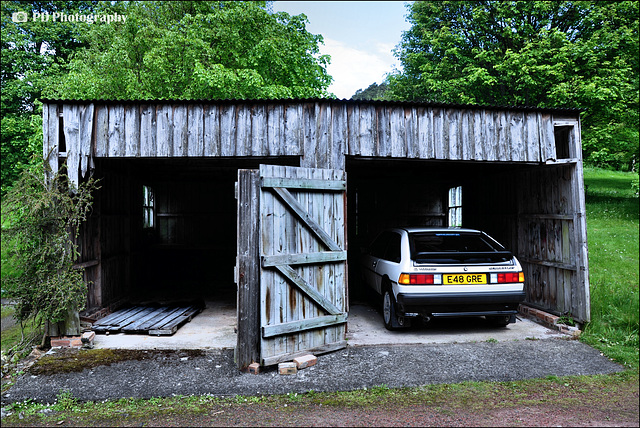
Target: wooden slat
293,129
180,138
308,290
85,132
305,258
339,129
151,318
556,265
102,131
247,268
164,139
211,130
303,183
195,136
172,326
132,131
124,315
148,132
132,319
170,318
275,129
70,122
302,325
227,130
304,216
547,138
242,132
115,316
116,131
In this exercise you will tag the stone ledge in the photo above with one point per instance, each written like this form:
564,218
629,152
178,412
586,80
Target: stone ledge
548,320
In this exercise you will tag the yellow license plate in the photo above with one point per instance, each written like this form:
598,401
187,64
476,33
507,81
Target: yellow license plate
465,279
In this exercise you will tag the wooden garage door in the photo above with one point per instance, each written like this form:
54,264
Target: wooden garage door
303,256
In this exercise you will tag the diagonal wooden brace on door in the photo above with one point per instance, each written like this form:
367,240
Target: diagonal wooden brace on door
304,216
304,286
336,316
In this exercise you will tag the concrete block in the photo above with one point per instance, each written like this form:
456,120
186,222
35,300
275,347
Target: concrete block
287,368
254,368
88,336
305,361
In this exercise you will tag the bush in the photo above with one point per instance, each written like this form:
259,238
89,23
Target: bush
40,218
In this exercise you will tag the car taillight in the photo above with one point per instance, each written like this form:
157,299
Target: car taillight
420,279
505,278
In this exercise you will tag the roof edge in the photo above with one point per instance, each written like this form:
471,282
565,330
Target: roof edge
310,100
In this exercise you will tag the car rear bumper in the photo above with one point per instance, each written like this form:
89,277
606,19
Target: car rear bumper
503,302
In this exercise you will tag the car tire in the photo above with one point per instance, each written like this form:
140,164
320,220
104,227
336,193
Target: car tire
389,316
499,321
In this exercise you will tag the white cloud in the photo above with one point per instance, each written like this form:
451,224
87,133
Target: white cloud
354,69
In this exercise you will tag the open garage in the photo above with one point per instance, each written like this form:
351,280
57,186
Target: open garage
316,179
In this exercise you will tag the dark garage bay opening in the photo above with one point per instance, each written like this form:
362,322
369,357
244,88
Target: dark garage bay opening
385,193
167,229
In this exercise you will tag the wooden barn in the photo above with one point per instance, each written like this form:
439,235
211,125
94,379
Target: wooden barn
271,201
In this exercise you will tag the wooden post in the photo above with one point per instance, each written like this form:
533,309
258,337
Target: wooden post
248,269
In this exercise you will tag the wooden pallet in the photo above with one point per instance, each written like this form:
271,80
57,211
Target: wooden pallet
144,319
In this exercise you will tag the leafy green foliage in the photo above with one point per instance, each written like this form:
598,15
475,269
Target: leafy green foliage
38,221
197,50
32,52
549,54
373,92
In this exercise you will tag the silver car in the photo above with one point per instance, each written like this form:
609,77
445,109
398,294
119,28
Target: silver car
442,272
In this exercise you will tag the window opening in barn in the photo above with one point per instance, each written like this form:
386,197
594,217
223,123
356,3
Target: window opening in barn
562,136
455,206
148,207
62,142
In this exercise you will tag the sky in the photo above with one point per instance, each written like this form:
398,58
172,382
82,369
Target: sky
358,35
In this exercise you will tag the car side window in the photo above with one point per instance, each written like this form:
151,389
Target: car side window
379,245
393,248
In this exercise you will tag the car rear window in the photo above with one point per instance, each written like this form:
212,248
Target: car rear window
454,247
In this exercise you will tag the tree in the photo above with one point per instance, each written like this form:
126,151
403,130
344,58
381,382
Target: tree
550,54
39,220
31,51
373,92
163,49
198,50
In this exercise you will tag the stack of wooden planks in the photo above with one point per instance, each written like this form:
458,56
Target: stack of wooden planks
153,320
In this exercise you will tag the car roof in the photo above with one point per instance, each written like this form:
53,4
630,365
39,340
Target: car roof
418,229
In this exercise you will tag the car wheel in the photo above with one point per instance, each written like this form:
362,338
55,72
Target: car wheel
389,316
499,321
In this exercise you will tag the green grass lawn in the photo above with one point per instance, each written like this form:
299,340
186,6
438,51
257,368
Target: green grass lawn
612,233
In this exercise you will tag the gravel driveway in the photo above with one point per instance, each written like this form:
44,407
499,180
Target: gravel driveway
164,373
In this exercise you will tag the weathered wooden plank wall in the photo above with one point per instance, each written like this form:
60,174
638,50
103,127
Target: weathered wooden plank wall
321,132
549,223
549,243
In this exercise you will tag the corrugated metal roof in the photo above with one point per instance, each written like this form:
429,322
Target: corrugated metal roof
311,100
